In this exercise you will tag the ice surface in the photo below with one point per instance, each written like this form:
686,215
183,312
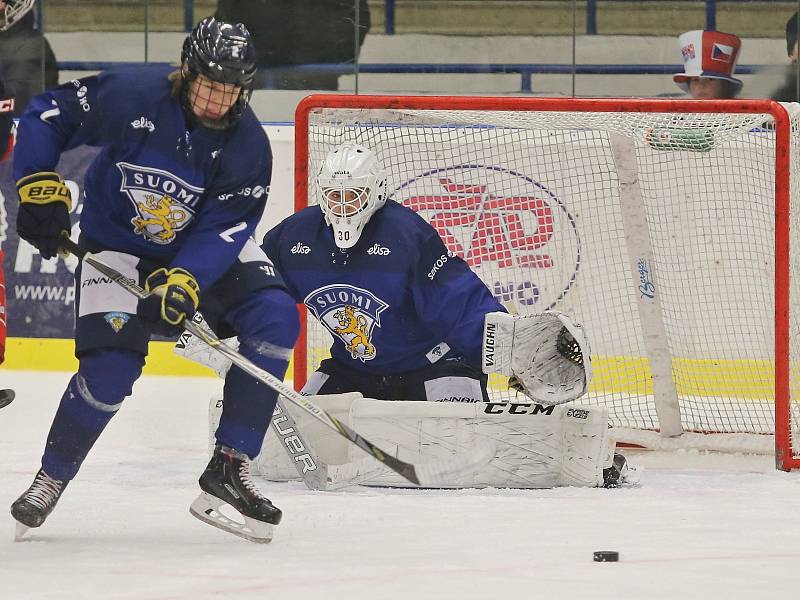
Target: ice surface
699,526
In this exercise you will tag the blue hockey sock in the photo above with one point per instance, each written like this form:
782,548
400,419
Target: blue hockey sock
268,327
94,395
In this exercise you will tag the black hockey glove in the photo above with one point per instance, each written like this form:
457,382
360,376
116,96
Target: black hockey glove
44,205
174,297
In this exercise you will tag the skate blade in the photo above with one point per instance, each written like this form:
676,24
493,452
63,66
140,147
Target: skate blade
206,508
20,532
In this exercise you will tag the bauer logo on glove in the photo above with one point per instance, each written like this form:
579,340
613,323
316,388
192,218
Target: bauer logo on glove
45,202
43,188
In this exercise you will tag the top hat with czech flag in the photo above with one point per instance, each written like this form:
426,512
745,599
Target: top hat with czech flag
711,54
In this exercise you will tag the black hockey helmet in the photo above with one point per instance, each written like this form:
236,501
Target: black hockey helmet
223,52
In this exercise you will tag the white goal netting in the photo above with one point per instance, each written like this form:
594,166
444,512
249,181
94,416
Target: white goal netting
655,230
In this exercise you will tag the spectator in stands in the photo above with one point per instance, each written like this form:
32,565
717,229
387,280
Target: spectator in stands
788,92
297,32
6,143
709,61
6,121
26,58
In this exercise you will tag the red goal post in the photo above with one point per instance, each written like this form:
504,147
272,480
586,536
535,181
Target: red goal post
664,226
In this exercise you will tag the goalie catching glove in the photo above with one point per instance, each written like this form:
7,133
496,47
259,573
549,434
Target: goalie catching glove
44,205
174,296
546,356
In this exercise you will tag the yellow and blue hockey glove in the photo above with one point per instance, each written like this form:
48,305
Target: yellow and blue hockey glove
174,297
44,205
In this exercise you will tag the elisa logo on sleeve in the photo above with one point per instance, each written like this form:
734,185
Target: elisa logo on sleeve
143,123
164,203
350,314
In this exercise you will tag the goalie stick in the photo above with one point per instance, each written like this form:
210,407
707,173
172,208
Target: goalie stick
420,474
315,473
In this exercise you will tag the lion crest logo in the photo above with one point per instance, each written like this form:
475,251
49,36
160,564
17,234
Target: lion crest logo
353,329
351,314
164,203
116,320
162,216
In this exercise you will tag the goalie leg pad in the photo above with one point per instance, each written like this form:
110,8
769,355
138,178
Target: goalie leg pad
190,347
537,446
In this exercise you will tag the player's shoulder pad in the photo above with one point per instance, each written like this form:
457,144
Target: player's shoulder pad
123,97
135,87
305,223
403,225
308,219
250,131
247,146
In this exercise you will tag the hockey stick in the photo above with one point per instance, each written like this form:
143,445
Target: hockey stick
420,474
6,396
315,473
312,469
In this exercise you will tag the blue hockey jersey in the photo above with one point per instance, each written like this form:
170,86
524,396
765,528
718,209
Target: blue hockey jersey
395,302
159,189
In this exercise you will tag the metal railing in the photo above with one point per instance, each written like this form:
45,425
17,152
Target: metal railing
710,5
525,70
591,12
591,7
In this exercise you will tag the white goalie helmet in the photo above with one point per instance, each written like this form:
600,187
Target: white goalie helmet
12,11
351,187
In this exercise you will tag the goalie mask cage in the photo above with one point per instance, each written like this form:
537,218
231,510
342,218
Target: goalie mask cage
668,228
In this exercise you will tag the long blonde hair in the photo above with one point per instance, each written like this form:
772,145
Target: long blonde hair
176,78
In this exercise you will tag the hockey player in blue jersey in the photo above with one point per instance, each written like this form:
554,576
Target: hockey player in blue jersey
171,201
406,315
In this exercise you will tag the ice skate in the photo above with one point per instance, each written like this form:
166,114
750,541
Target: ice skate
37,502
619,474
226,480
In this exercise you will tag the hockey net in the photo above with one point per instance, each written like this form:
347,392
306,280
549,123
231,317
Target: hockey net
664,227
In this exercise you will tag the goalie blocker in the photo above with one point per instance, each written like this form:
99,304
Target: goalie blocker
538,445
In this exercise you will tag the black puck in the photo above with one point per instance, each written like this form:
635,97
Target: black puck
6,396
606,556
